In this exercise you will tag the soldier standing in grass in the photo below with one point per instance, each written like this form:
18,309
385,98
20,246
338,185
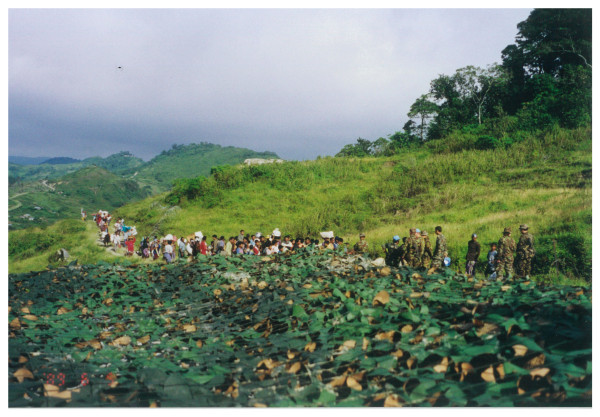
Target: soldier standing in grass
506,249
427,253
525,252
392,251
411,251
440,252
420,248
361,247
402,253
473,252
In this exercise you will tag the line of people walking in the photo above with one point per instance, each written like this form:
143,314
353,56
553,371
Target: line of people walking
415,251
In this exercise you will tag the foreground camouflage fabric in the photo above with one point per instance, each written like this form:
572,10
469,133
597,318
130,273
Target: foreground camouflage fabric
294,330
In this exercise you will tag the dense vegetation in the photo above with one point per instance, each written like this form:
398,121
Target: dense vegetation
298,330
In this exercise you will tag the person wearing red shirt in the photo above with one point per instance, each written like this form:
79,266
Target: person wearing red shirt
129,243
203,246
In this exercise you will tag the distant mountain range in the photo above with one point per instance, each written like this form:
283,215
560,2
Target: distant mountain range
59,187
61,160
26,160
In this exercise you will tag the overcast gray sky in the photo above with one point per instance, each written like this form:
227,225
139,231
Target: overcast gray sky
299,82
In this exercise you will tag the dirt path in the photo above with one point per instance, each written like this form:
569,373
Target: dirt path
19,204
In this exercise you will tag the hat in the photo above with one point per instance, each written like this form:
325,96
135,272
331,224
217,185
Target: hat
396,237
258,234
524,227
362,235
473,235
507,230
412,230
276,233
424,233
418,230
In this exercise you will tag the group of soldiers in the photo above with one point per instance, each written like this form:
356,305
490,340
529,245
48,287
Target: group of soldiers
506,249
416,251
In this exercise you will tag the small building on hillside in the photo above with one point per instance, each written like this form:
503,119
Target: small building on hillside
259,161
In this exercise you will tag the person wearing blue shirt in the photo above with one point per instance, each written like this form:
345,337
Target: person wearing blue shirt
491,265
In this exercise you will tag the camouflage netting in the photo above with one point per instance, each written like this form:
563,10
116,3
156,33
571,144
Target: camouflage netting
297,330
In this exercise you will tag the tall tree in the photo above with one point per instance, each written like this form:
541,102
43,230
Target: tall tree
423,108
477,83
550,39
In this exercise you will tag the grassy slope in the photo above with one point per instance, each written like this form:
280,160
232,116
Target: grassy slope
544,181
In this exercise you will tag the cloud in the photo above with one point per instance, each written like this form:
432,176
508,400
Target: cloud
300,82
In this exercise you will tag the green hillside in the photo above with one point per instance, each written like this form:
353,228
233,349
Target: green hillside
186,161
117,163
61,160
90,188
544,181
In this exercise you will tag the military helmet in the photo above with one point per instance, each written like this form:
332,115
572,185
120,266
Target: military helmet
396,238
424,233
524,227
507,230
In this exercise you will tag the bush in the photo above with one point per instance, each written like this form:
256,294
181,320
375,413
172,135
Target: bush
488,142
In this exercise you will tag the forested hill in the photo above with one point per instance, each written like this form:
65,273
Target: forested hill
188,161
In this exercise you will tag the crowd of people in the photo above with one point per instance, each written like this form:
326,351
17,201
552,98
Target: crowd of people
415,251
122,236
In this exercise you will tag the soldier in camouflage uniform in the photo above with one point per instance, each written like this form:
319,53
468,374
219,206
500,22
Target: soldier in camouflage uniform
441,250
402,253
392,252
361,247
420,247
505,257
427,251
525,252
411,254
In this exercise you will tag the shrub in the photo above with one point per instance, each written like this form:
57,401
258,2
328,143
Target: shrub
488,142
